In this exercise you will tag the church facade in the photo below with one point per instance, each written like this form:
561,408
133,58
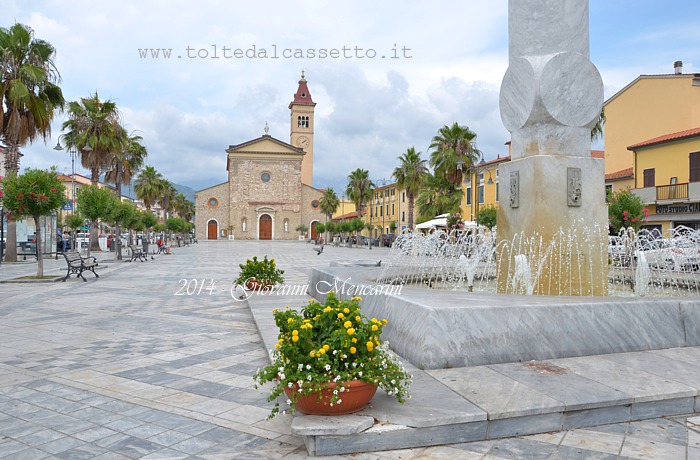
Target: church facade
269,191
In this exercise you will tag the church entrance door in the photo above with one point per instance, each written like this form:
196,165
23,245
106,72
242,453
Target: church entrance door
314,233
265,232
211,230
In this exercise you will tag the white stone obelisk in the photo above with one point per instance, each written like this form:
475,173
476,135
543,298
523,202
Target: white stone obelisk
551,97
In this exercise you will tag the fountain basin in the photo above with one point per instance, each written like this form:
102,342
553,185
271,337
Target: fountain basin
436,329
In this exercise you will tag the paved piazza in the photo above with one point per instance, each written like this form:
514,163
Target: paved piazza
133,365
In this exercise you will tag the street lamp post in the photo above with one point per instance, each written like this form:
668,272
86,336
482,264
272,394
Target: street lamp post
73,152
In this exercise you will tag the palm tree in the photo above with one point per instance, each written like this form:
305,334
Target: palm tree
329,203
29,99
167,200
359,188
96,132
409,176
148,186
454,150
437,196
121,168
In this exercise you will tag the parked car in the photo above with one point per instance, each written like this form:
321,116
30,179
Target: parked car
388,239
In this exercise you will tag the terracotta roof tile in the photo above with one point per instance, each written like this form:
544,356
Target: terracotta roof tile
598,153
622,174
667,138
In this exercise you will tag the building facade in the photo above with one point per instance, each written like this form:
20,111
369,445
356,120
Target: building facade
269,193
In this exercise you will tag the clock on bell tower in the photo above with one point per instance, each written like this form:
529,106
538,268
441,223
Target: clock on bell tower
302,128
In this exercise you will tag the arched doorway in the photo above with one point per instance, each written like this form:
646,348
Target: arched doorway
212,230
265,227
314,233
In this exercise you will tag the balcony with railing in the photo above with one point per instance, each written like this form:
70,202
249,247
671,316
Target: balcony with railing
672,192
685,192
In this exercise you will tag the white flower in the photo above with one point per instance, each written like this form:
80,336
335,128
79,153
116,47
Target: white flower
342,389
393,382
335,392
290,385
281,376
308,377
327,367
340,401
301,366
289,401
308,367
360,373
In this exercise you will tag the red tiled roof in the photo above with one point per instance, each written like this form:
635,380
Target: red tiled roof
346,216
667,138
598,153
622,174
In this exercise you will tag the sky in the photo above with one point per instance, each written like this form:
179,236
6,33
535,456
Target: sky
407,70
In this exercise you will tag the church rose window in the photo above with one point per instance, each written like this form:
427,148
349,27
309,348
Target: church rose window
213,202
265,177
315,204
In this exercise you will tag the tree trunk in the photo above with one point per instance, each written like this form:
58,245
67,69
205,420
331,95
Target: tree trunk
118,237
39,255
11,167
411,206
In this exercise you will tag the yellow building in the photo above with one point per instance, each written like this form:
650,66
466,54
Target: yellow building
384,210
649,107
668,178
480,187
650,143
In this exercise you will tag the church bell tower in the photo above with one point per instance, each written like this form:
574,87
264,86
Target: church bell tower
302,128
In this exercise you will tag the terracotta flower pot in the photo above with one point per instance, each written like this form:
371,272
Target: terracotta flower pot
255,285
355,397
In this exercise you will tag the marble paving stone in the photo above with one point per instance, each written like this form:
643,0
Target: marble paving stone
597,416
499,396
522,448
643,448
660,365
666,407
528,424
431,404
594,440
641,386
321,425
575,391
686,354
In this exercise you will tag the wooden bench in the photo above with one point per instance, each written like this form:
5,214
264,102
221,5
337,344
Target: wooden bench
137,253
77,264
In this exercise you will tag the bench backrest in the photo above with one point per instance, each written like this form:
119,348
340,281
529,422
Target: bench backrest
72,256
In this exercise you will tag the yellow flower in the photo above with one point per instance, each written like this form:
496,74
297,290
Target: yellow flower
341,316
312,354
357,297
321,351
326,347
295,332
347,324
351,331
290,320
370,346
353,350
277,346
375,320
275,310
357,318
280,340
374,327
354,340
346,310
384,321
295,338
327,309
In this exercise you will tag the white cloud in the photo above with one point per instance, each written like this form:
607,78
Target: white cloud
369,110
